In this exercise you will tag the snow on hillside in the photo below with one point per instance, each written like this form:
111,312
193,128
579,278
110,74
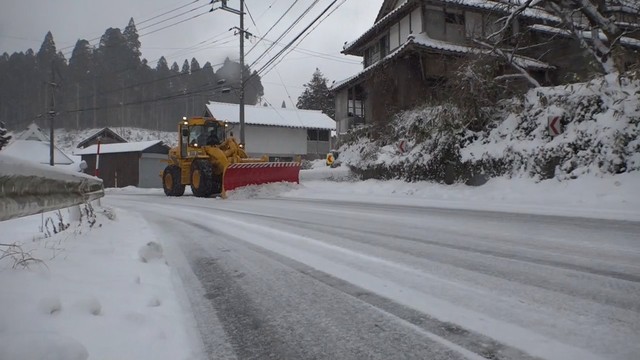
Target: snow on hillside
601,136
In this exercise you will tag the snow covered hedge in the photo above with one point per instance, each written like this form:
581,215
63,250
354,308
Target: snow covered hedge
601,121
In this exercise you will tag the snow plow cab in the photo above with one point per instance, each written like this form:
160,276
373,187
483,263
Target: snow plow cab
213,163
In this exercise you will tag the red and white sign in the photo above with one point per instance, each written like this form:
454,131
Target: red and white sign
402,146
555,127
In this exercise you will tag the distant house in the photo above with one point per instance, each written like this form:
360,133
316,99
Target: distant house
415,46
128,164
106,136
282,134
33,145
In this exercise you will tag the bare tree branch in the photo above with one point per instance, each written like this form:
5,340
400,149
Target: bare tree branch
509,59
514,14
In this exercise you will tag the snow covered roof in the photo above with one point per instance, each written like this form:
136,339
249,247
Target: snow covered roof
33,132
270,116
36,151
493,5
119,148
626,41
626,6
422,41
106,132
385,20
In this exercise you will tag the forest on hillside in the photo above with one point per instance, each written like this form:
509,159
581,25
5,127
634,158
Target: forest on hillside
112,85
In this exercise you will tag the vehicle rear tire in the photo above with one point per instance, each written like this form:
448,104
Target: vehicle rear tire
171,181
202,182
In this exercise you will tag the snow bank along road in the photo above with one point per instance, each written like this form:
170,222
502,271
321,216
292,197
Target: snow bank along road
287,278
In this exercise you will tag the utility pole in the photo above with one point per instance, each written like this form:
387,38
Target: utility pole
242,72
52,111
242,33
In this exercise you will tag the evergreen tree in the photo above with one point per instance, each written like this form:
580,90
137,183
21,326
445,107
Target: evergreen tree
4,138
284,105
79,91
175,69
131,35
316,96
47,52
48,60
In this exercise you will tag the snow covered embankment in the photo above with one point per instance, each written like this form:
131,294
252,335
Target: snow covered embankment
601,121
101,289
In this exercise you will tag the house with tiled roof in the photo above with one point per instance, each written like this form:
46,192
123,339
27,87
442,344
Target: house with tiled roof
415,46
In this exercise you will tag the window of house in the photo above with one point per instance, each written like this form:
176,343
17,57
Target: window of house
473,25
454,27
452,18
312,135
323,135
372,54
377,51
434,23
359,108
383,44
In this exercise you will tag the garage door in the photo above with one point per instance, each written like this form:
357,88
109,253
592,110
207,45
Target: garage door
151,168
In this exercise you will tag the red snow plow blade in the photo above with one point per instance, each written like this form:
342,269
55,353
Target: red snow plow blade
243,174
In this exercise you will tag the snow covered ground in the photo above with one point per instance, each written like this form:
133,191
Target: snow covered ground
93,297
89,294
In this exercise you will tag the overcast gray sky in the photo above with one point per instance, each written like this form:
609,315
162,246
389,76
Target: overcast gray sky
24,23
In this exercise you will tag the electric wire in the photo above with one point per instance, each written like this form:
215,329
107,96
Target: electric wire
273,26
286,47
285,33
307,34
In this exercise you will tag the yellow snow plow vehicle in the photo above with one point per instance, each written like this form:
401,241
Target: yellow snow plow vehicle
213,163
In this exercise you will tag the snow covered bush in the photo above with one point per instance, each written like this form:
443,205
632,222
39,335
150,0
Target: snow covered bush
601,121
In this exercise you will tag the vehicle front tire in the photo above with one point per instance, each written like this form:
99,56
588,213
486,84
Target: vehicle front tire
171,181
202,182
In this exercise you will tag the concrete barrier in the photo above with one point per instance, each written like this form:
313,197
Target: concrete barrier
30,188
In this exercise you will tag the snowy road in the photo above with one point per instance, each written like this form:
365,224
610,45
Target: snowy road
288,278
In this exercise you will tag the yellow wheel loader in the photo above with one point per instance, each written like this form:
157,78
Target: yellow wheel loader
213,163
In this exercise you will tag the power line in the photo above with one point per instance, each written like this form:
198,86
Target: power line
283,85
274,25
274,58
287,31
307,34
142,22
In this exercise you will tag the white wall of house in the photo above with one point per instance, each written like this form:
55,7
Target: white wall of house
416,21
274,140
342,110
394,37
410,24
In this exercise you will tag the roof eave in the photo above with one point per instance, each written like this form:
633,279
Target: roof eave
357,46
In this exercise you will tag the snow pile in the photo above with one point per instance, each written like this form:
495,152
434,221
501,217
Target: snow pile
84,293
320,171
588,196
601,121
260,191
